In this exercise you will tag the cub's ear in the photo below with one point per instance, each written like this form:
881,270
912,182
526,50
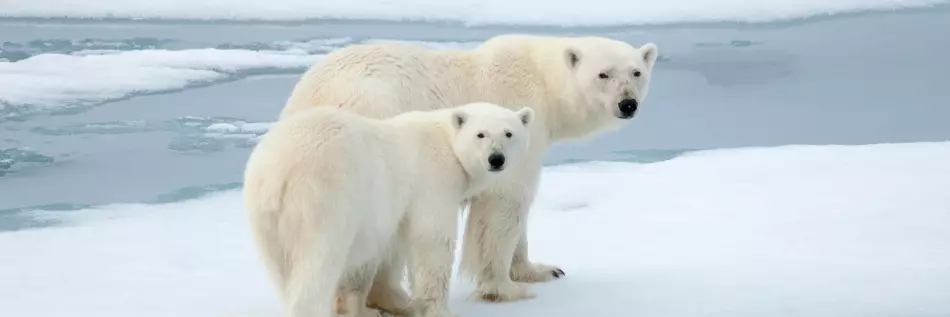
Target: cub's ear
572,57
459,117
526,115
649,53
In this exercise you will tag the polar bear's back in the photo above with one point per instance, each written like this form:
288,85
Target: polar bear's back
384,79
381,80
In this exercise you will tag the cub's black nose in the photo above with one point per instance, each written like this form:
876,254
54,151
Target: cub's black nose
627,107
496,161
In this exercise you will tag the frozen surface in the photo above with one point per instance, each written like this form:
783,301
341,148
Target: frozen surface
473,12
193,133
57,82
792,231
13,156
787,231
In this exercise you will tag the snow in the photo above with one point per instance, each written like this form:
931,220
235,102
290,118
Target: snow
785,231
54,81
473,12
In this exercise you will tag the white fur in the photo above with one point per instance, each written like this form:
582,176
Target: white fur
558,77
330,194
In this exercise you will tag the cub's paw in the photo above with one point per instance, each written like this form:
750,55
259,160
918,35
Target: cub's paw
443,314
347,306
392,301
503,292
369,312
421,308
535,273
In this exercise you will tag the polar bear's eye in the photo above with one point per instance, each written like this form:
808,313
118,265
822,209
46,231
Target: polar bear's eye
603,76
508,134
480,135
636,74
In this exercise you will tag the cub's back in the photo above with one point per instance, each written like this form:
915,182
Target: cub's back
323,151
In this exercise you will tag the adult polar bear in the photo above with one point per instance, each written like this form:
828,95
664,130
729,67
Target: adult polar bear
330,193
576,85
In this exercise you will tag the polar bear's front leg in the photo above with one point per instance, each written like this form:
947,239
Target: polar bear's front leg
522,270
491,234
430,235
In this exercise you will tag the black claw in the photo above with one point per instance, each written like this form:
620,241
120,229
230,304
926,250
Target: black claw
561,272
555,274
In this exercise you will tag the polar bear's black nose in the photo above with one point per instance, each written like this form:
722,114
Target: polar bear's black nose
627,108
496,161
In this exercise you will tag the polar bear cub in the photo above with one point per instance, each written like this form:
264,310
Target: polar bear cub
330,194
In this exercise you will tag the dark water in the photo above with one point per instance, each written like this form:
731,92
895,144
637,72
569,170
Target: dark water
854,79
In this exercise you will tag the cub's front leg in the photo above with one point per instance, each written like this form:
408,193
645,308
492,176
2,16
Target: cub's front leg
430,234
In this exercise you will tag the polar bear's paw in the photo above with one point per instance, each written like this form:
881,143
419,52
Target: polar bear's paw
504,292
535,273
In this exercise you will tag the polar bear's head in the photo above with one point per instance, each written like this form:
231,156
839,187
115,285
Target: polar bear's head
611,75
489,138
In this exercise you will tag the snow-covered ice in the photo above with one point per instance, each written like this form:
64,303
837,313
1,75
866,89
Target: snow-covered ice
786,231
55,81
473,12
252,127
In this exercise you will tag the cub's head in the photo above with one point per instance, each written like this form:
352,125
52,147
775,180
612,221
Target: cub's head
611,75
490,138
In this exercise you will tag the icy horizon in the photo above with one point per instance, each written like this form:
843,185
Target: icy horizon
468,12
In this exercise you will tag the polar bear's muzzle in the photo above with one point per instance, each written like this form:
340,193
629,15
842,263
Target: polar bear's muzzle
627,107
496,162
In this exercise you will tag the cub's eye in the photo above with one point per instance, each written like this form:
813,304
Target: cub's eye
603,76
636,74
480,135
508,134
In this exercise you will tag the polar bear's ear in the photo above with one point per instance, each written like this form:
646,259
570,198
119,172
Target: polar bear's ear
458,118
526,115
572,56
649,52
